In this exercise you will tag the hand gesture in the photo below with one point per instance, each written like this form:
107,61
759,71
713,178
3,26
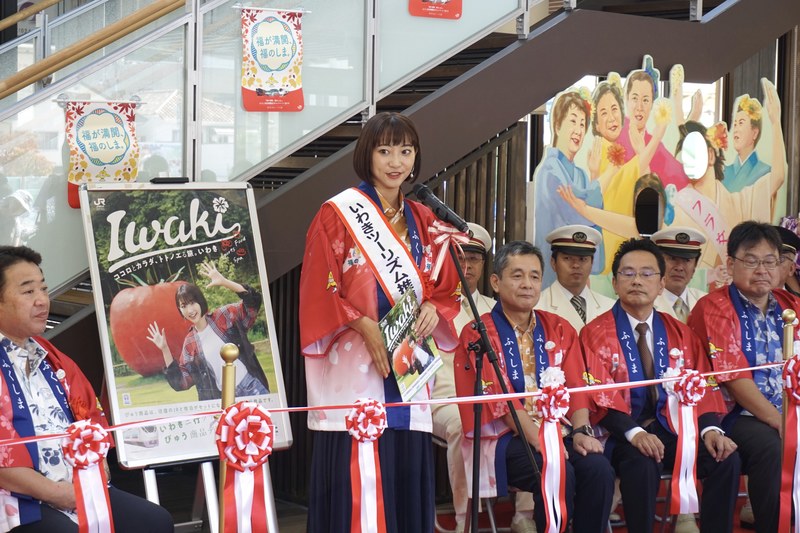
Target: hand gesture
771,101
210,271
697,106
718,445
568,196
156,336
426,321
649,445
637,141
595,157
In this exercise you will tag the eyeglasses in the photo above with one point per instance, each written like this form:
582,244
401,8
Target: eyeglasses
770,263
630,274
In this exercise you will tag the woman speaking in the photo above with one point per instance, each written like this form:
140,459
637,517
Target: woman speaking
365,248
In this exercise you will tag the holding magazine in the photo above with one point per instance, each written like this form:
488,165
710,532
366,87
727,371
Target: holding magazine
414,360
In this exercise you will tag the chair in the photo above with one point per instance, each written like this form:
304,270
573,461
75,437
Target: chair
485,502
666,518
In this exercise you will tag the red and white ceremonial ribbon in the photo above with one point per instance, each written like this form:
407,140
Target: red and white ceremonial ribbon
682,399
84,448
366,422
790,471
552,405
443,235
244,439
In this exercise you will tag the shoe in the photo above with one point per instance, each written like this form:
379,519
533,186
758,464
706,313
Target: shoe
686,524
523,525
459,527
746,518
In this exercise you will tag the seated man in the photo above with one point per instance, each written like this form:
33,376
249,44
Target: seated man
527,342
787,271
37,490
633,342
742,327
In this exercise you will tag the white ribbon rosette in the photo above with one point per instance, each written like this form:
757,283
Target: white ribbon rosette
553,405
244,440
366,422
84,448
683,395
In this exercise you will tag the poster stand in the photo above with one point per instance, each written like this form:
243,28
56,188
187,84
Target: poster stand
205,498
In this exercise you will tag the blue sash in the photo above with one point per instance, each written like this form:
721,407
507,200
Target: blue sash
396,417
23,423
747,345
633,360
511,355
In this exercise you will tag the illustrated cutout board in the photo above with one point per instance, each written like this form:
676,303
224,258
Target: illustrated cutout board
177,273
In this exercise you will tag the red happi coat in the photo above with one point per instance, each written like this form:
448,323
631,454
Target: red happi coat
82,402
557,330
606,363
336,287
715,322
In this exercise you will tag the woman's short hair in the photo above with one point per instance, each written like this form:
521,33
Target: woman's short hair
189,293
562,106
640,75
389,129
602,88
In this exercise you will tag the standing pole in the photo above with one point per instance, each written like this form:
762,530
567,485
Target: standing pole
789,317
229,353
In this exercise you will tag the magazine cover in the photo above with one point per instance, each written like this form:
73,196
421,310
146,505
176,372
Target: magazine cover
177,273
414,361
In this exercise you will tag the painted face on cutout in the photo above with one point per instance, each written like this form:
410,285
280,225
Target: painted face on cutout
639,103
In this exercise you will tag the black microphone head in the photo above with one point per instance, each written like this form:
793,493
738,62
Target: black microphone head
421,190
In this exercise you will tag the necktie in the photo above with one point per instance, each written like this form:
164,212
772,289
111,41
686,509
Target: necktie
579,303
681,309
646,357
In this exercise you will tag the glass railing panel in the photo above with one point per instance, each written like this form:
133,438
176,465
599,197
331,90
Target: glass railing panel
233,140
15,56
78,24
408,45
33,154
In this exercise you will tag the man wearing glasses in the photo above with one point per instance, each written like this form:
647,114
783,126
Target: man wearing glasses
634,342
742,327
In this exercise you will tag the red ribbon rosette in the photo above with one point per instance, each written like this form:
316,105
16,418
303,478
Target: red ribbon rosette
552,405
683,396
244,440
790,469
442,236
366,422
84,448
691,388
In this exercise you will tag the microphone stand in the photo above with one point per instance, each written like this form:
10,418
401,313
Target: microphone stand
480,348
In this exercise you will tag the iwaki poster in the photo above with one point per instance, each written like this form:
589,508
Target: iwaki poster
102,144
178,273
272,60
443,9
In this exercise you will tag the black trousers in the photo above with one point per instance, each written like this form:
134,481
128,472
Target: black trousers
589,486
760,449
640,475
131,514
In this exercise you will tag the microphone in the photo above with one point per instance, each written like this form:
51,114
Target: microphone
440,209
